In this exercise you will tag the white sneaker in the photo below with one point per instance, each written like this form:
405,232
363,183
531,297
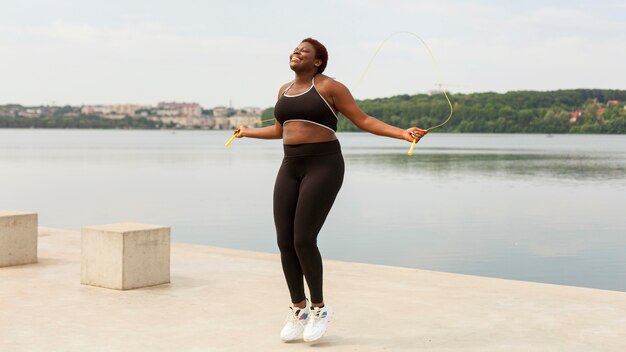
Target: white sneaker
316,327
294,324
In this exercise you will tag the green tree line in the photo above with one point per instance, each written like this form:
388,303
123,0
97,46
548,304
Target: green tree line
81,121
511,112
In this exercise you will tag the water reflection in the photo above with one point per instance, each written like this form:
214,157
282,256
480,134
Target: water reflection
574,167
510,206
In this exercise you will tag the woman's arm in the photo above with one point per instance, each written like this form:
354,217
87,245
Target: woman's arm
269,132
344,102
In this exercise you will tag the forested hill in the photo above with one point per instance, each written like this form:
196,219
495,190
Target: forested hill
562,111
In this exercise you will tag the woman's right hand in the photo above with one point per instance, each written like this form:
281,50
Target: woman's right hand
241,131
414,134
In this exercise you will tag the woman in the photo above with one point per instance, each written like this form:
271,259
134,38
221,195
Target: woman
310,176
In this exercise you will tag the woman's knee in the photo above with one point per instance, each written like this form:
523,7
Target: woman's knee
305,243
285,243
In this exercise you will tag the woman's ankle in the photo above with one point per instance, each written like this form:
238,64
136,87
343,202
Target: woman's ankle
300,304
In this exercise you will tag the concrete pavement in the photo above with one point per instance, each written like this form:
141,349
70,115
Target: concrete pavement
231,300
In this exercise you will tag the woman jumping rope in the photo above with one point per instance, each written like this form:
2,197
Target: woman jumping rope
310,176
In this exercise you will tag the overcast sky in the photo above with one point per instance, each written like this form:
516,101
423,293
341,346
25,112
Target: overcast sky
214,52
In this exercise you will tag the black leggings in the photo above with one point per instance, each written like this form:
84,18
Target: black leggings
306,186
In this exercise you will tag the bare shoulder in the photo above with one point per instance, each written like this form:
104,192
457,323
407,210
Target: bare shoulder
283,88
329,84
285,85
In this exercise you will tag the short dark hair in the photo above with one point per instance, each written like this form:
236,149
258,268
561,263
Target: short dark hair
320,53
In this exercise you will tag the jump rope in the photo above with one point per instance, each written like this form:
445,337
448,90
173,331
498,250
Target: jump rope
435,64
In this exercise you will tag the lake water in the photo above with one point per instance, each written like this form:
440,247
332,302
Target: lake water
528,207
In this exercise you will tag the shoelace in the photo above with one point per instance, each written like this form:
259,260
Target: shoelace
294,314
317,313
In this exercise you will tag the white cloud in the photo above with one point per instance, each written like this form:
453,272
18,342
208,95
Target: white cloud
575,20
442,7
479,45
81,33
145,61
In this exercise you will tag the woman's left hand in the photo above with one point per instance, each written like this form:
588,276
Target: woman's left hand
414,133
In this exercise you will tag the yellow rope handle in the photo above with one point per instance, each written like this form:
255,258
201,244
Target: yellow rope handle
412,146
232,138
237,132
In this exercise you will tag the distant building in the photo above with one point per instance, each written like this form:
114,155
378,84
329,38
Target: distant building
167,112
10,110
96,110
574,115
30,112
167,106
125,109
117,111
239,120
176,120
221,122
181,115
252,110
220,111
193,110
182,109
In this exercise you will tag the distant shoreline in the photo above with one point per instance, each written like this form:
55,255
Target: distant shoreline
231,130
577,111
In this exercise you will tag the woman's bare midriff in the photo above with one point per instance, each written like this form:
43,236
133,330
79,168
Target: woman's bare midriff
299,132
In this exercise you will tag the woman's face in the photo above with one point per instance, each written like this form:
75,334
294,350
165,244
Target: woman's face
303,58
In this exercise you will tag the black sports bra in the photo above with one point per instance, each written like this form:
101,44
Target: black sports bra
309,106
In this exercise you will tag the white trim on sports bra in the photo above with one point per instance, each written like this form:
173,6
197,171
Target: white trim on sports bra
331,109
297,95
317,91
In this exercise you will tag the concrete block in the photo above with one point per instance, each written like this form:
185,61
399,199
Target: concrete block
18,238
125,256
